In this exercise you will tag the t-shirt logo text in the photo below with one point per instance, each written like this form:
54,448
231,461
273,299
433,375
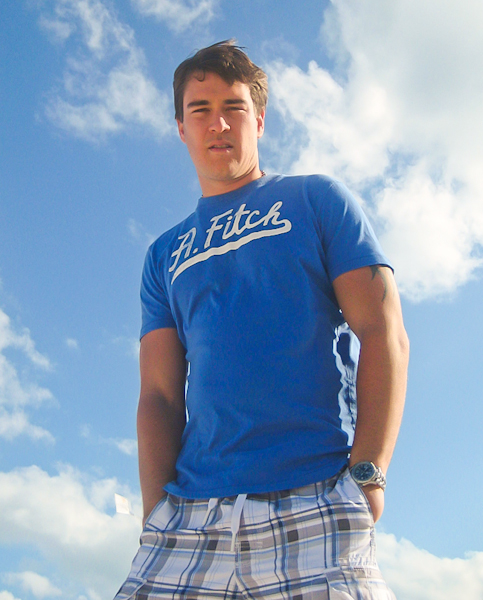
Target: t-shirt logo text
229,225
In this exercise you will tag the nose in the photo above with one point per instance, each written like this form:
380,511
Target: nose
219,124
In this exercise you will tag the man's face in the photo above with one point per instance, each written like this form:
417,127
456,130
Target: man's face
221,129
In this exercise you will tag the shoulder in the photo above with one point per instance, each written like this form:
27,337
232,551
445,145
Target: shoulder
313,185
325,196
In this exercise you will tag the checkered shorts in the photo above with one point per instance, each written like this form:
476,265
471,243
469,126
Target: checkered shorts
310,543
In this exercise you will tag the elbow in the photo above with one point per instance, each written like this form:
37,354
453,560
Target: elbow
399,350
391,342
403,343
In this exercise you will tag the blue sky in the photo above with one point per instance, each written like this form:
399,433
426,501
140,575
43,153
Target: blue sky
386,96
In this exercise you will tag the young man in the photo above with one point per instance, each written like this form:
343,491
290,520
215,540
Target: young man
260,291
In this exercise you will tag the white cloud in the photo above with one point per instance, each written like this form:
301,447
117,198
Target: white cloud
22,341
17,422
179,15
66,519
415,574
139,235
4,595
401,122
131,345
18,395
431,232
126,446
106,88
135,348
58,30
72,344
33,583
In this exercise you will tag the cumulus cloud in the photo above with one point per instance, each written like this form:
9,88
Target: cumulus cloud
33,583
415,574
179,15
106,88
22,341
399,119
17,422
68,519
18,396
4,595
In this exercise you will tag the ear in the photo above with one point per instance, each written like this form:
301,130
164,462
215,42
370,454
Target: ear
181,130
261,123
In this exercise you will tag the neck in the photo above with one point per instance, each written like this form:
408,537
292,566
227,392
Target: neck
217,187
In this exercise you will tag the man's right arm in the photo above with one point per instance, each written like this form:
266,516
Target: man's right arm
161,412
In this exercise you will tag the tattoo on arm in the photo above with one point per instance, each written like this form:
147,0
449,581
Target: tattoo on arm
377,271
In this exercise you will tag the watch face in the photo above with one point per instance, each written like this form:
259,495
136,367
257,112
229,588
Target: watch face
363,471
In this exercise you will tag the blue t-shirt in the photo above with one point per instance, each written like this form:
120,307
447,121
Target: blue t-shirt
247,282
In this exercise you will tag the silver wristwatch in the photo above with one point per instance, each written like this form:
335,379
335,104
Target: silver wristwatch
366,473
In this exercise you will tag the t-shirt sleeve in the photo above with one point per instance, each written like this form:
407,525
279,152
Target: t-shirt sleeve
156,311
348,240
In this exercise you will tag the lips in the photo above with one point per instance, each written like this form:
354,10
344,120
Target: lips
220,146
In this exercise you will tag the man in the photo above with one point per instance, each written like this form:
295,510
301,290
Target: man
260,291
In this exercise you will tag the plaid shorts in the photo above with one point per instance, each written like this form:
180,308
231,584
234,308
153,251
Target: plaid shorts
311,543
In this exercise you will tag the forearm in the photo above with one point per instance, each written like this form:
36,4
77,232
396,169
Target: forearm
160,426
381,390
370,303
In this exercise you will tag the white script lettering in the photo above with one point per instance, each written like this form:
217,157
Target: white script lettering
231,225
186,244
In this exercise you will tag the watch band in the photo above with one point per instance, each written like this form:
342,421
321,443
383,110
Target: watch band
367,473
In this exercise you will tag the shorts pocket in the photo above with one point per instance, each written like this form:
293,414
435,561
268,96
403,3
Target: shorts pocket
359,492
156,520
350,583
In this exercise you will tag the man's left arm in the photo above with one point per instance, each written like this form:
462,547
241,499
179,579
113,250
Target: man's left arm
370,304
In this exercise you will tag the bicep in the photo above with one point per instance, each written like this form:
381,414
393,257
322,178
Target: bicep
369,299
163,365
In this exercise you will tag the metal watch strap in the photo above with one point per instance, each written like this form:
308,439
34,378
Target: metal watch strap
378,478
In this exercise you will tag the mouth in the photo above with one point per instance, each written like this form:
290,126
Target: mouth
220,146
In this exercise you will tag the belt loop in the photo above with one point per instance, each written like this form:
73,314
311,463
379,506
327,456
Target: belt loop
236,518
212,502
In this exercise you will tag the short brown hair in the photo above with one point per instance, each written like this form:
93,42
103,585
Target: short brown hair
228,61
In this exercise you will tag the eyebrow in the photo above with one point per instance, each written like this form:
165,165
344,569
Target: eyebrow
234,101
229,101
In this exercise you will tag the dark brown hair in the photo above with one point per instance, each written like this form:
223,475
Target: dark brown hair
228,61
